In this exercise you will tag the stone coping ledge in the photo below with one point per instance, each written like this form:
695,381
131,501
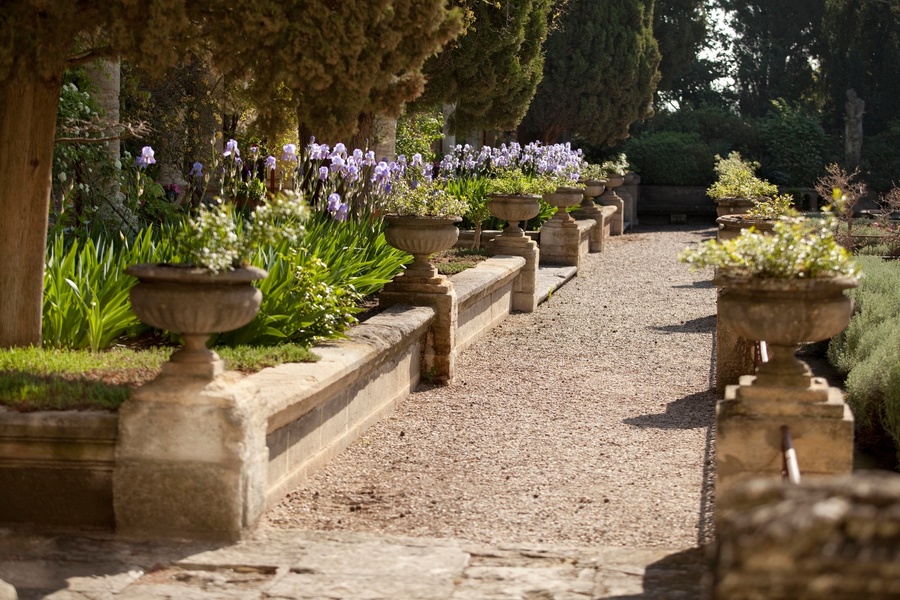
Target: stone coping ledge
296,388
473,284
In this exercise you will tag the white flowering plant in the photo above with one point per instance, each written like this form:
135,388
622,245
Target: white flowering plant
219,239
423,198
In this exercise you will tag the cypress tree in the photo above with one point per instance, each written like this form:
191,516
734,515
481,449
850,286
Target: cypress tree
600,72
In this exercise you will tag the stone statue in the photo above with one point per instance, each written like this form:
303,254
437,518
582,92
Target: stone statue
853,127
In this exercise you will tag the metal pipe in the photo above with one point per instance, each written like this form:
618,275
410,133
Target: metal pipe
790,469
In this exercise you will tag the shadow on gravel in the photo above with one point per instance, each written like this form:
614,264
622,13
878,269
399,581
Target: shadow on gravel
707,283
698,325
691,412
679,575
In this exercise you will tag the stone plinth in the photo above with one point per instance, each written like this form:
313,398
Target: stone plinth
565,243
823,539
601,216
748,431
439,357
617,220
191,459
525,298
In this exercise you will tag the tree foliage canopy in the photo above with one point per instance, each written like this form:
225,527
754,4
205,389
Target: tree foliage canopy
773,43
679,27
491,71
600,73
861,51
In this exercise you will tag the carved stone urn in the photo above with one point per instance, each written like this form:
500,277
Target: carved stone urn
421,236
564,197
194,303
730,226
732,206
785,313
514,209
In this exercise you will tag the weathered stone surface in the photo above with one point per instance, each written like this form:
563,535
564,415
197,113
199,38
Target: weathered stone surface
836,538
307,565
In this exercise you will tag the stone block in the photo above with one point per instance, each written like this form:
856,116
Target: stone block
748,436
829,538
734,356
564,244
191,460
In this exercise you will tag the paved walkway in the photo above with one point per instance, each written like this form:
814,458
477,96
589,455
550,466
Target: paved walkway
307,565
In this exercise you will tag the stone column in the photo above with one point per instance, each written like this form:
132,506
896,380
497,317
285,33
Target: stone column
524,287
611,198
385,133
590,210
735,356
191,460
436,291
625,193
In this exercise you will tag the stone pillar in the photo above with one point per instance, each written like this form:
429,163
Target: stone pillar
748,431
559,243
191,460
436,291
384,130
448,142
611,198
632,180
524,287
590,210
625,193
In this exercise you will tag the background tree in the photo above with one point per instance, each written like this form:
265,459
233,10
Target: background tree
490,72
337,59
772,45
680,29
861,51
600,73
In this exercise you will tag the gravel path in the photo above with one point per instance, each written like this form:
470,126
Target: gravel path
589,421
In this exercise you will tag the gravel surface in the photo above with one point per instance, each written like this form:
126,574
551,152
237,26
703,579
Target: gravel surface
589,421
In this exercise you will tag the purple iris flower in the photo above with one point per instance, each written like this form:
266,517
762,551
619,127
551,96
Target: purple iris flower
339,148
341,214
270,163
231,148
146,158
196,170
254,150
358,155
334,200
370,158
290,153
336,162
323,173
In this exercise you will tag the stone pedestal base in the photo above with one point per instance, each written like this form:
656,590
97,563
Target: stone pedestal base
594,213
564,244
734,356
748,431
524,297
191,462
439,358
617,221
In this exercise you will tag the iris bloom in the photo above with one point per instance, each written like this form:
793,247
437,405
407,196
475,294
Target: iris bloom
270,163
146,158
290,153
196,170
231,148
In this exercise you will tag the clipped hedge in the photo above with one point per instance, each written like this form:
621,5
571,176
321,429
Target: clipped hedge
671,158
867,352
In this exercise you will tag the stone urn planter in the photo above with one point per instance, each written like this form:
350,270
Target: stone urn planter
514,209
421,236
785,313
730,226
194,303
592,189
732,206
564,197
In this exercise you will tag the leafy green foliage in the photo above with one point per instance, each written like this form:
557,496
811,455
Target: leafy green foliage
866,352
776,207
424,199
416,131
680,29
737,179
795,143
514,182
671,158
600,73
798,248
490,73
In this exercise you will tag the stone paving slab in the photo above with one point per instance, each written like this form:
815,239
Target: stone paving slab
318,565
549,279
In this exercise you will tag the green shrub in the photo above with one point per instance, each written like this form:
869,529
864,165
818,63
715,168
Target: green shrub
416,132
794,146
671,158
881,161
866,352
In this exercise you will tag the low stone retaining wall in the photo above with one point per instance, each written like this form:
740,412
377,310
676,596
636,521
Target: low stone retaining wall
186,458
676,200
56,467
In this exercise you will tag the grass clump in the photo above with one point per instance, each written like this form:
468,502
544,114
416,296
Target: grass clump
866,352
33,379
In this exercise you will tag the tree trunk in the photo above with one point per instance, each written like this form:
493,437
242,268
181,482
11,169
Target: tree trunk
27,130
